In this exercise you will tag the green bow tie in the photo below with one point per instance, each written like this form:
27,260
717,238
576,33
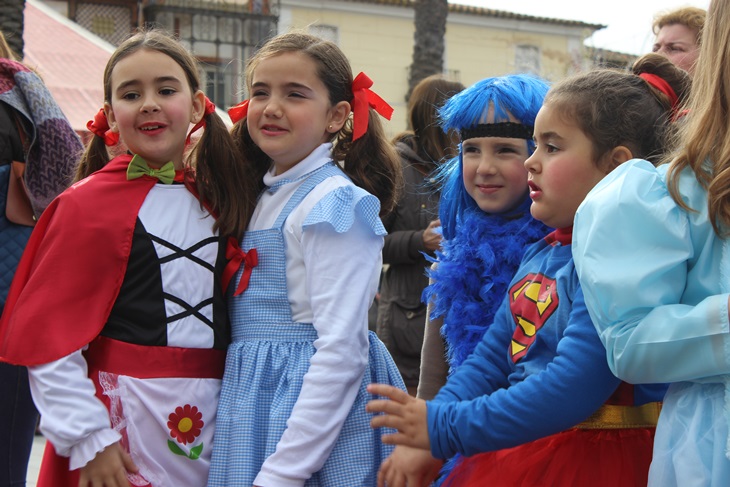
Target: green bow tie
138,167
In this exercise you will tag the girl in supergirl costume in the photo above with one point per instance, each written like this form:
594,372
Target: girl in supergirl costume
536,403
292,408
486,224
658,291
117,307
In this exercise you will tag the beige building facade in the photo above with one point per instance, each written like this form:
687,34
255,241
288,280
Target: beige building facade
377,37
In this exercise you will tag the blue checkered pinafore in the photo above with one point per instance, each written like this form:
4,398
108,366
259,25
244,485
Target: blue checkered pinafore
266,363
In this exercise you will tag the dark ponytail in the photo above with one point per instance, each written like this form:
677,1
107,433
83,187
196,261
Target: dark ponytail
221,179
615,108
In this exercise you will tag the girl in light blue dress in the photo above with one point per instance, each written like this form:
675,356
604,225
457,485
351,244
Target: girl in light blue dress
292,408
652,252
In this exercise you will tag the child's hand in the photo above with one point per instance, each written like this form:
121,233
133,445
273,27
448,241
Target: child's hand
403,412
108,468
411,467
432,236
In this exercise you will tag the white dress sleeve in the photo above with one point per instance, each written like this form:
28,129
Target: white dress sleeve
342,266
641,260
72,418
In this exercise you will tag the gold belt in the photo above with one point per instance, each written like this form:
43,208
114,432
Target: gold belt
610,416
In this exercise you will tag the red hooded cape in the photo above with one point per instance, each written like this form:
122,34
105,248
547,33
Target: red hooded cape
73,267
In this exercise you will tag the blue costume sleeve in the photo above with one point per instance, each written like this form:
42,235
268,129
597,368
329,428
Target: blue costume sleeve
478,410
481,376
650,273
341,206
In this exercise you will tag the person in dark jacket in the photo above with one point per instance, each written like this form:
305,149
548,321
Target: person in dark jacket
413,227
37,138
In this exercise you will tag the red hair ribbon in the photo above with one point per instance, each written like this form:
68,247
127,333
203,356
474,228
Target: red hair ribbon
236,257
661,85
238,112
363,99
209,108
99,126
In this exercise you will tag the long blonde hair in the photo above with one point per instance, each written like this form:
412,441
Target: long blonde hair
5,50
705,137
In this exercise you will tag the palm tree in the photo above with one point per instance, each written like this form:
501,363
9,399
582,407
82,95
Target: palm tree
11,24
428,46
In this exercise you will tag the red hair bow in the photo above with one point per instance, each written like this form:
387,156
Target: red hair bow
209,108
238,112
236,257
99,126
363,99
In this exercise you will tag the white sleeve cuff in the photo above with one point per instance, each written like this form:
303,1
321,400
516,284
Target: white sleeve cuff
271,479
85,450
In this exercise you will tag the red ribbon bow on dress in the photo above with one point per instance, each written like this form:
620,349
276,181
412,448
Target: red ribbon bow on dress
236,257
238,112
99,126
209,108
363,99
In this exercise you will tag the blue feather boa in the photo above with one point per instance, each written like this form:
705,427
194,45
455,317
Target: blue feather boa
474,271
472,277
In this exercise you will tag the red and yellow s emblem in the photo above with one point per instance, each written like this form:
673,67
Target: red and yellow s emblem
533,299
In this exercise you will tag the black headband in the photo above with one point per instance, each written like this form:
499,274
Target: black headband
509,130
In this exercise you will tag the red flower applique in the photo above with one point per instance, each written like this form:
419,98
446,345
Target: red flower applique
185,423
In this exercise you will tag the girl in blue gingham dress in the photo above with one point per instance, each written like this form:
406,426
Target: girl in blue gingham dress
292,407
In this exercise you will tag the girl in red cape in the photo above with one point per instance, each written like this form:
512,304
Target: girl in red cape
117,307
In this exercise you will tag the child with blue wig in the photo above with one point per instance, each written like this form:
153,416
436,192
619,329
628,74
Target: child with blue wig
486,225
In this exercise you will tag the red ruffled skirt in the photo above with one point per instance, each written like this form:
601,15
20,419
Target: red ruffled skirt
576,457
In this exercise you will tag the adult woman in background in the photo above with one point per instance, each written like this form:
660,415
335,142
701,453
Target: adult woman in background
413,226
679,36
36,135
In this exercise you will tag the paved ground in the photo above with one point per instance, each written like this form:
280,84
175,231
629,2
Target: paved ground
35,460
